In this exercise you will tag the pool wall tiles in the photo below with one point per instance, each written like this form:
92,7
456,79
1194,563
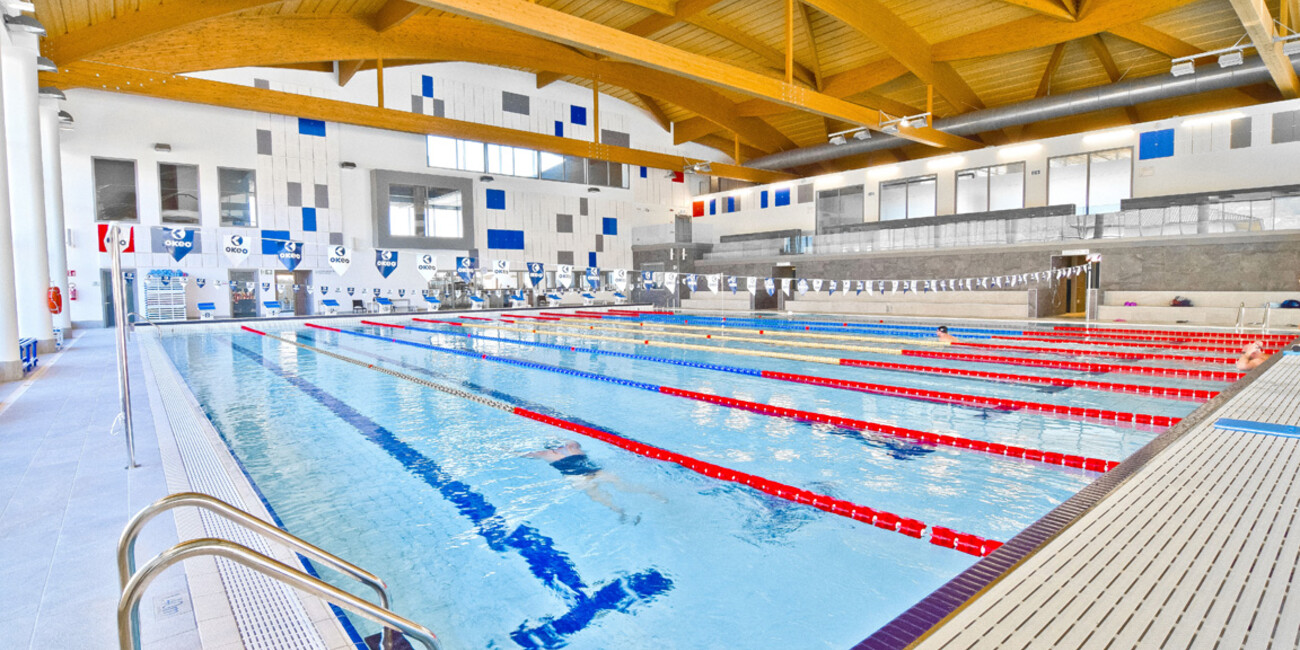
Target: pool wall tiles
300,183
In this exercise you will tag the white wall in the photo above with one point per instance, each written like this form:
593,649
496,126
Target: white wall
1203,161
126,127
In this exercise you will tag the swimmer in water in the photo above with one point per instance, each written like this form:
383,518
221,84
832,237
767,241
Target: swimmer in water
572,461
1252,356
944,336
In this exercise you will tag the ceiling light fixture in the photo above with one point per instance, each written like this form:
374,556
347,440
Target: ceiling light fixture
862,134
1182,68
1231,59
1228,57
24,24
52,92
44,64
839,139
918,121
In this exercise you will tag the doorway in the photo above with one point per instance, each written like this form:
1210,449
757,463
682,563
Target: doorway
291,301
776,301
243,293
1070,298
106,290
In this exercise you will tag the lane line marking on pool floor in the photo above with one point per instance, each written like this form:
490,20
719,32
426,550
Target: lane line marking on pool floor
939,535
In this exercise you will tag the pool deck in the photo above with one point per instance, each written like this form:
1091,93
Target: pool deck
1189,546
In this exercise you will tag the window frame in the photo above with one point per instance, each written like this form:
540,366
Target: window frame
252,200
988,184
907,199
381,180
1087,176
198,194
135,177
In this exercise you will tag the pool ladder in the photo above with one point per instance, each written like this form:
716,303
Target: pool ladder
134,583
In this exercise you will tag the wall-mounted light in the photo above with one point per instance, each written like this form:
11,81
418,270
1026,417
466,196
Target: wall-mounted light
1020,151
17,6
24,24
892,125
842,137
44,64
862,134
51,92
888,171
1290,44
593,189
65,120
162,146
486,179
348,165
699,168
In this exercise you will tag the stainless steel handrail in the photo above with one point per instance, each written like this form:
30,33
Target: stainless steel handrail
1241,317
1268,317
118,287
126,544
128,607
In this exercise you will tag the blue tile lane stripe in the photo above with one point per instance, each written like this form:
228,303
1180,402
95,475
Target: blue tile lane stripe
1263,428
551,566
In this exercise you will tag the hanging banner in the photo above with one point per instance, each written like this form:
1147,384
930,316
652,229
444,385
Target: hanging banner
290,254
426,266
536,273
732,284
324,289
714,281
817,285
871,287
339,259
401,293
895,286
861,285
620,279
564,275
377,290
692,282
785,286
386,262
834,286
500,268
297,288
236,248
465,267
770,285
751,284
648,279
352,291
177,242
266,286
125,241
199,282
670,281
803,286
593,278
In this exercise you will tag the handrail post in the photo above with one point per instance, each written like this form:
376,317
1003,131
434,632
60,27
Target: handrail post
1241,318
1268,316
119,313
128,607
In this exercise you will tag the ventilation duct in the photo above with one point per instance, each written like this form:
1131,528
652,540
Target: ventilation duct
1116,95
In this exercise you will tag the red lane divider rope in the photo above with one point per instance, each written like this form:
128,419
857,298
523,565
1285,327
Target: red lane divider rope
1172,340
564,315
1232,336
939,536
976,400
1210,375
1123,344
945,537
1128,356
474,318
1049,457
1159,391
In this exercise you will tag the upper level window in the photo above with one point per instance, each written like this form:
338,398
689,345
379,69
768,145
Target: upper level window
909,198
985,189
472,156
839,207
422,211
115,190
1093,182
178,193
237,196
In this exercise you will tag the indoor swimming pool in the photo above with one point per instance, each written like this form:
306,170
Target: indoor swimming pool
443,492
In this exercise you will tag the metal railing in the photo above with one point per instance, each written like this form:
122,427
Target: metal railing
1280,213
120,320
133,584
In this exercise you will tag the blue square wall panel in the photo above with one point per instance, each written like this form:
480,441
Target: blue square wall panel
591,260
578,115
496,199
309,219
426,86
272,240
762,199
311,127
643,171
506,239
713,206
609,226
782,197
1156,144
559,129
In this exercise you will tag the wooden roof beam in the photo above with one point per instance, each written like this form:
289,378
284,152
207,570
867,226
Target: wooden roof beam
89,41
685,10
1257,20
804,22
214,93
1041,31
1049,8
1155,40
1112,71
1053,62
560,27
655,111
881,26
345,70
394,13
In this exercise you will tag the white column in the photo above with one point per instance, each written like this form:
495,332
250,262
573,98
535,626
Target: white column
27,189
52,171
10,367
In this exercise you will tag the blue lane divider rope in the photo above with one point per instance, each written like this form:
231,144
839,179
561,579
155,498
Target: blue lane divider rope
915,332
551,566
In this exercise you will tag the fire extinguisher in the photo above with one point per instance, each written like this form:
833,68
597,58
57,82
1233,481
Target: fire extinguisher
72,291
56,300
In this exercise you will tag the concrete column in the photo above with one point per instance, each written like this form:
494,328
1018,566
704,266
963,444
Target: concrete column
27,188
52,170
10,366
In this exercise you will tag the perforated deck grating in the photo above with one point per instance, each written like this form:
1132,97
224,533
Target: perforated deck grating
269,614
1195,550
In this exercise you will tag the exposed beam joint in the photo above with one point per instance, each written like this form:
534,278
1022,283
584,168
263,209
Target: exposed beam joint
652,107
394,13
1112,71
1053,62
1049,8
1155,40
1257,20
805,24
345,70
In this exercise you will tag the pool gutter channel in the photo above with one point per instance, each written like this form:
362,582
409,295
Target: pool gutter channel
258,612
913,626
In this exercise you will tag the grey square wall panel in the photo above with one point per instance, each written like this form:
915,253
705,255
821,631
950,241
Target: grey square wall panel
600,243
563,223
806,193
264,84
336,239
322,196
439,108
616,138
263,142
514,103
417,104
582,206
295,195
564,257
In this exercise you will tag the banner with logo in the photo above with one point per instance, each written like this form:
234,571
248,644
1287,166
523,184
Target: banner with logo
426,266
647,279
340,259
692,282
834,286
465,267
501,268
714,280
770,285
564,275
386,262
785,286
177,242
593,278
732,284
536,273
236,248
752,285
620,279
817,285
290,254
125,242
802,286
670,281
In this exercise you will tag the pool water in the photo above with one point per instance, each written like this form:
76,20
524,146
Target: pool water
491,548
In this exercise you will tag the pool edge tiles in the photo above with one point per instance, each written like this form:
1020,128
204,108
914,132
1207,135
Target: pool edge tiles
210,467
926,616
